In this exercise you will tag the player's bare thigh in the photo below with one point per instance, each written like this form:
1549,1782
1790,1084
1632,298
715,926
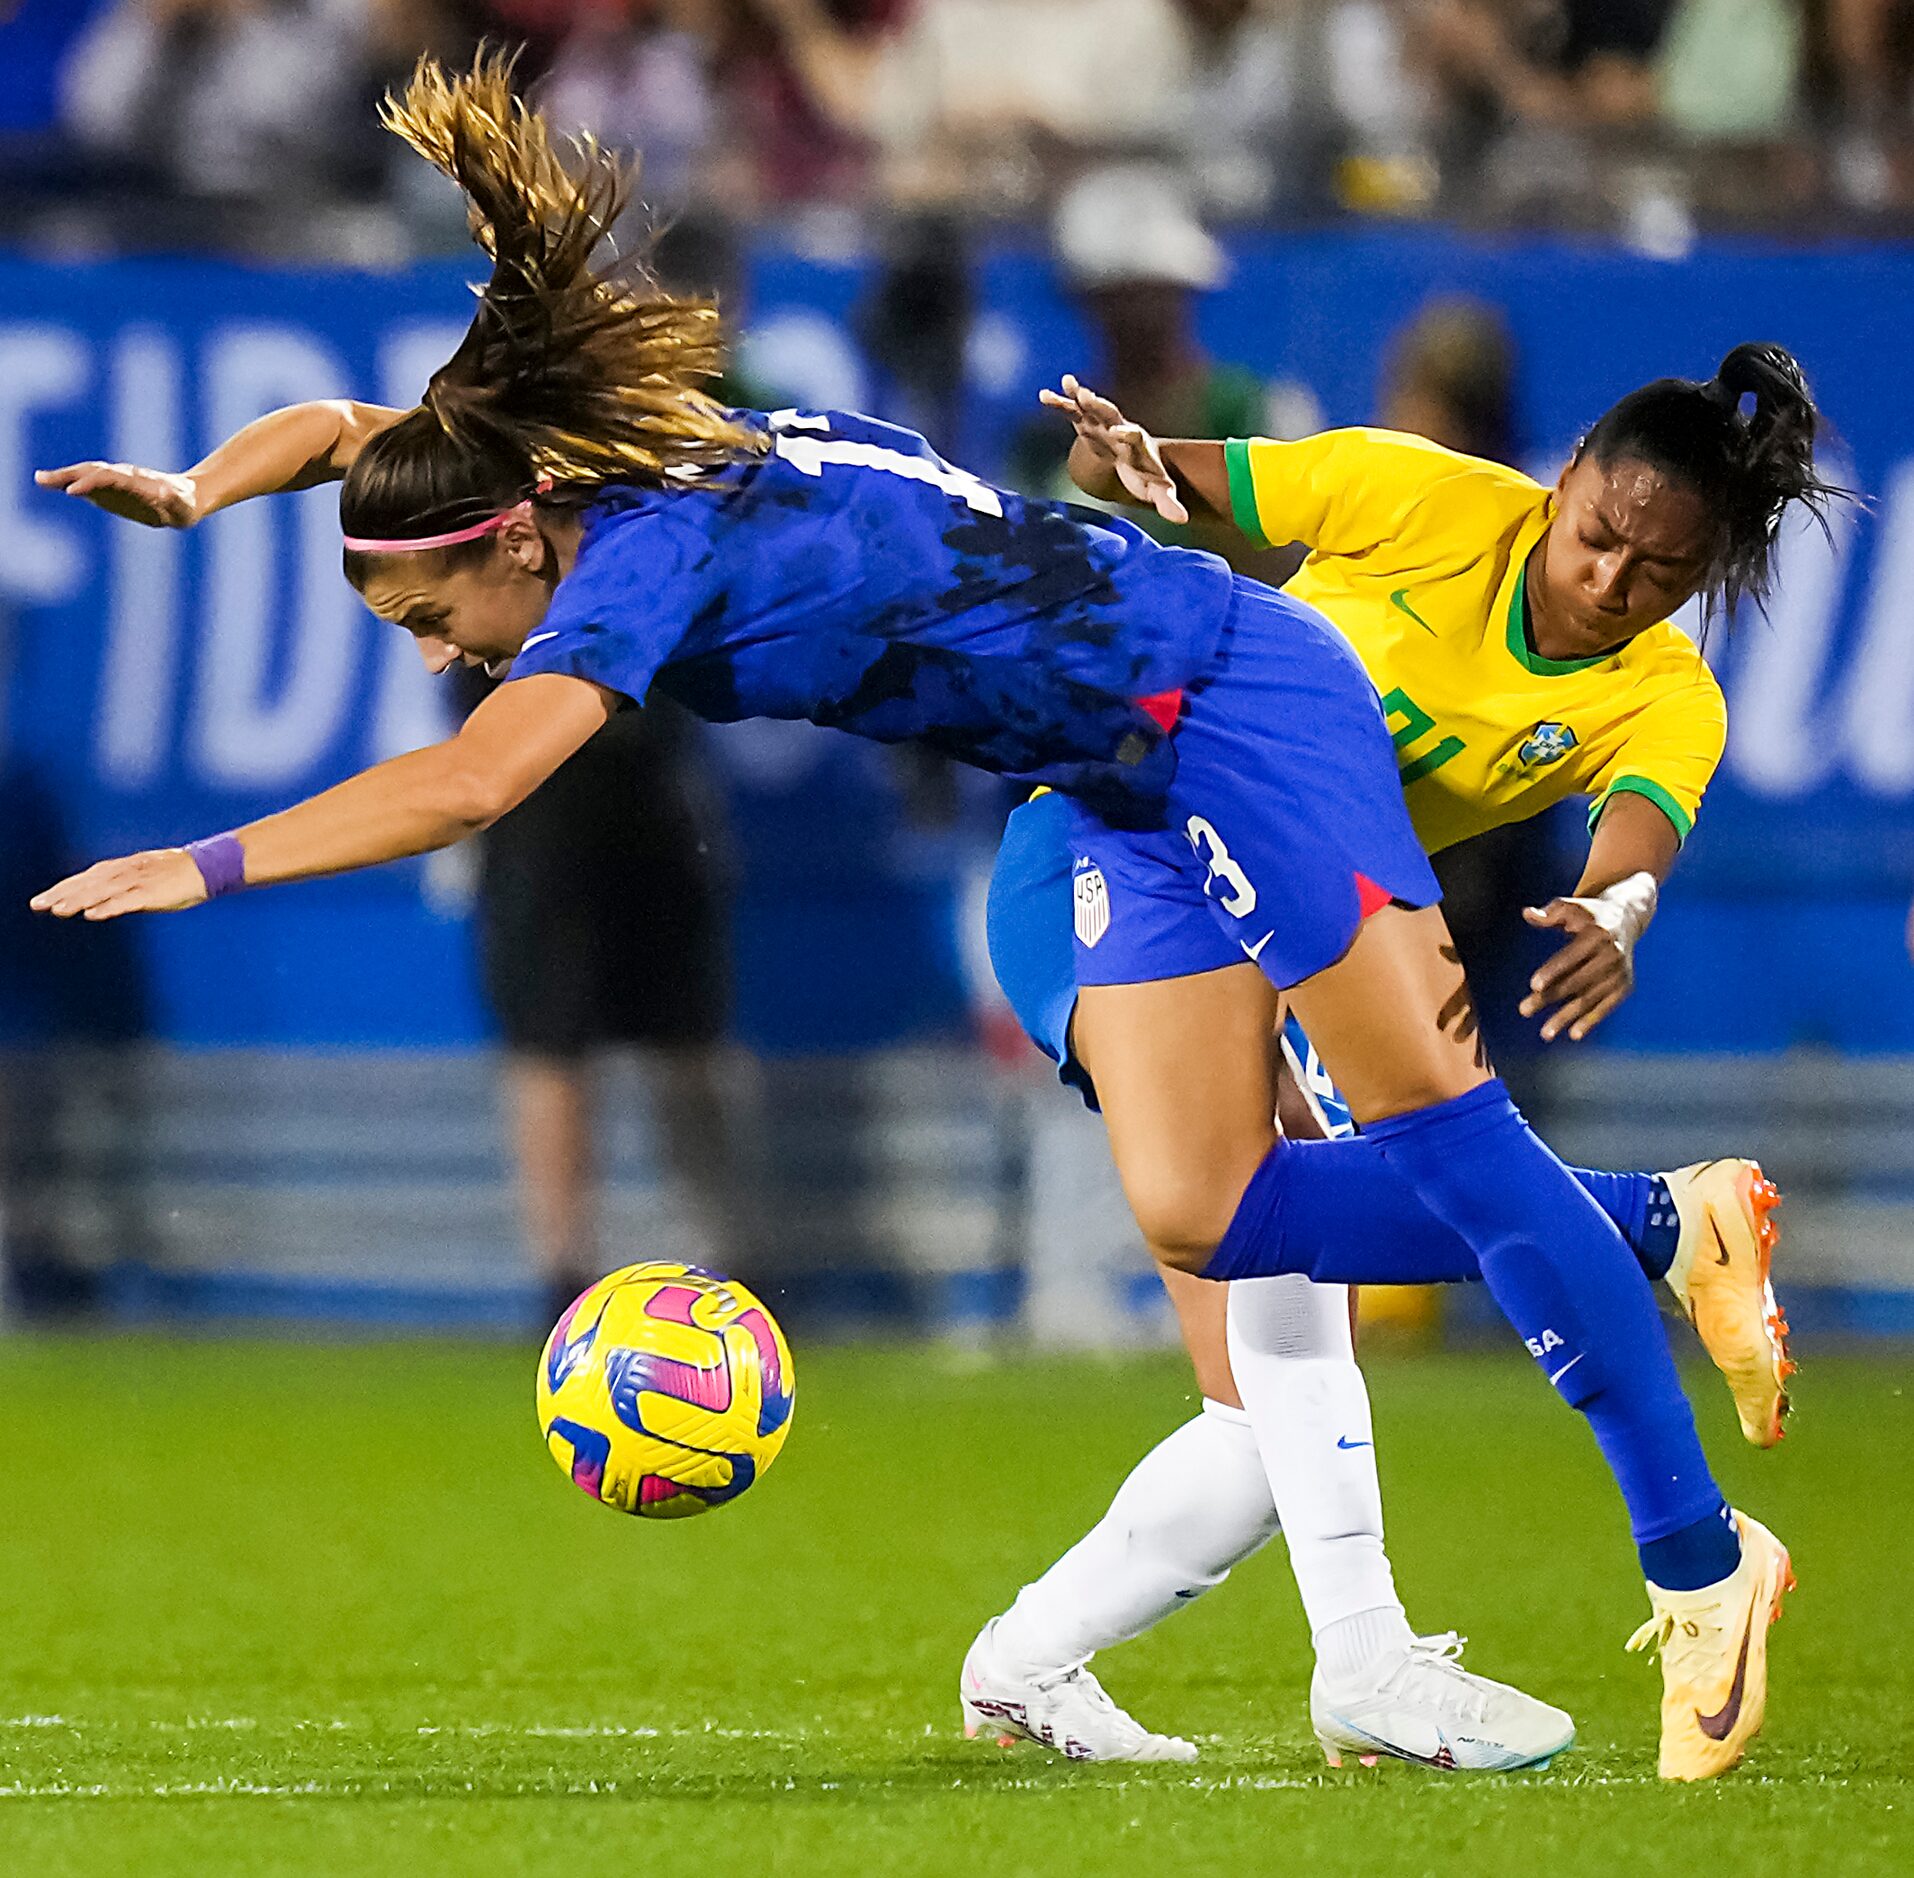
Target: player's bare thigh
1393,1020
1185,1070
1201,1306
1185,1066
1149,1037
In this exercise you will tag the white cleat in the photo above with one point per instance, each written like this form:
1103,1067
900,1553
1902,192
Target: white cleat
1065,1711
1430,1710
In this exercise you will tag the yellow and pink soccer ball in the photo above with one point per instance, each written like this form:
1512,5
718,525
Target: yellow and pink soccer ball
665,1390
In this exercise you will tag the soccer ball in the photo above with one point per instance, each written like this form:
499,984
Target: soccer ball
665,1390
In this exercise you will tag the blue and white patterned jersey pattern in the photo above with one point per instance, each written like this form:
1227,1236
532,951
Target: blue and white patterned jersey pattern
853,577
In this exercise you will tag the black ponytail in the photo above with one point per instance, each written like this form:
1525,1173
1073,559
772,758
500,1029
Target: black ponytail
1749,466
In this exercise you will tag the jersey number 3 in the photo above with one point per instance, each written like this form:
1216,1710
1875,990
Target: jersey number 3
1239,899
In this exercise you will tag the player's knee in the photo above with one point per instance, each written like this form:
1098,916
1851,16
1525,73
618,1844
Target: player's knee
1182,1221
1184,1202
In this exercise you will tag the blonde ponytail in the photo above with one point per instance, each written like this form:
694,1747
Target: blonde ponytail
583,374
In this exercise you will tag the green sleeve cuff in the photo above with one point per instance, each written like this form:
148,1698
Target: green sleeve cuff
1641,786
1242,491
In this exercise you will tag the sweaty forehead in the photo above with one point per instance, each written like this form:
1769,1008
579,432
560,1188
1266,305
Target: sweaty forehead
1646,508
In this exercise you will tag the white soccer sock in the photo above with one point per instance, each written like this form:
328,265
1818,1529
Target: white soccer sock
1294,1362
1195,1505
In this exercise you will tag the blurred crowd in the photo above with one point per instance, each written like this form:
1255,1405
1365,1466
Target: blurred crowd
165,122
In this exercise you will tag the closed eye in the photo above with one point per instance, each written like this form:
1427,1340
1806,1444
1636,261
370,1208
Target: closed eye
1661,563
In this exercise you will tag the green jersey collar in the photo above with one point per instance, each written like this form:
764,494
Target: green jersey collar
1522,650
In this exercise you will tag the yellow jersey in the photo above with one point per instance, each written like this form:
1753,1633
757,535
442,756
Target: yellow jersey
1417,554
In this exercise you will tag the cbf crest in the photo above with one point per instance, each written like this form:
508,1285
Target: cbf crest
1545,744
1092,905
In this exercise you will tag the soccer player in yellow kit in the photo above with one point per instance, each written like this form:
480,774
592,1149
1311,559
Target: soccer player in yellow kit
1419,555
1446,573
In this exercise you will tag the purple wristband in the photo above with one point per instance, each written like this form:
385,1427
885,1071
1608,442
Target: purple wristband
221,862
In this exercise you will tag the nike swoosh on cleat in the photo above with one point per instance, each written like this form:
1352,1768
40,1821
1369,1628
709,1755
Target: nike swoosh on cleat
1721,1244
1443,1757
1719,1726
1343,1441
1400,599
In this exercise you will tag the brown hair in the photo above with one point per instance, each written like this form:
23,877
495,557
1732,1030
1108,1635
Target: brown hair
572,375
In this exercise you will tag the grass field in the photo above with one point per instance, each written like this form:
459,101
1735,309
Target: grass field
275,1608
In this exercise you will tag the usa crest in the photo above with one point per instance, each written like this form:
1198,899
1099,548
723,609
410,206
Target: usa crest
1546,744
1092,905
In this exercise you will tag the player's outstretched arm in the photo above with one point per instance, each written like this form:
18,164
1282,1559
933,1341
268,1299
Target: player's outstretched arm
1634,850
1115,460
292,448
415,803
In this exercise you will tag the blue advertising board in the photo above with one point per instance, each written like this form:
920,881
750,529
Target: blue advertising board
159,686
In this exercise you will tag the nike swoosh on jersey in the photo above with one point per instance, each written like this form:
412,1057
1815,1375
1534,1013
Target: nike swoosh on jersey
1719,1726
1343,1441
1256,951
538,639
1400,599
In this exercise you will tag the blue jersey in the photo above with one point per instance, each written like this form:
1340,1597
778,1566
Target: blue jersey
853,577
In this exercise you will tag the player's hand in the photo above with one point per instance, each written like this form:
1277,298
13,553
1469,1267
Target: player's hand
154,497
1129,449
162,880
1592,972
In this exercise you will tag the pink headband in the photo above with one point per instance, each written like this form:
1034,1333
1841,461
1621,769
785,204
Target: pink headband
366,544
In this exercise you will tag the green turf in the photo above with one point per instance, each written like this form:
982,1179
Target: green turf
270,1608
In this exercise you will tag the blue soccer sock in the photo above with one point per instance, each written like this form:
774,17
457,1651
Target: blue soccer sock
1337,1212
1643,1211
1564,1279
1349,1217
1701,1554
1553,1261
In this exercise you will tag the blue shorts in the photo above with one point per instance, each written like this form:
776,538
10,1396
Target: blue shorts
1032,953
1286,820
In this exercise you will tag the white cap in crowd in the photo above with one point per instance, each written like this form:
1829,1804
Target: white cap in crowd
1135,222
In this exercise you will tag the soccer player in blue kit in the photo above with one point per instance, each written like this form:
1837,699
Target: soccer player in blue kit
568,507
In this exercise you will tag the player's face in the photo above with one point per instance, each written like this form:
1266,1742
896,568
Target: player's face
479,613
1626,548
